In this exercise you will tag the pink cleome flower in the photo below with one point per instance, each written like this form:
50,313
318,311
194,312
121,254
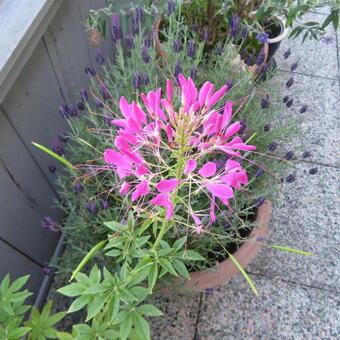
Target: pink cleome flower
188,134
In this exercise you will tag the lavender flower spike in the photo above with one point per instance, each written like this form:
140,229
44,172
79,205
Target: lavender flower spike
48,223
116,28
92,209
191,49
137,81
145,55
130,42
262,37
84,95
289,82
177,45
178,69
193,72
171,7
99,56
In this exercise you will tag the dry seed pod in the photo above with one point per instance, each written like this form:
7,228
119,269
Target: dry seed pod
95,37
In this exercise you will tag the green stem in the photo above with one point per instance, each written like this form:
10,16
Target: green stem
161,233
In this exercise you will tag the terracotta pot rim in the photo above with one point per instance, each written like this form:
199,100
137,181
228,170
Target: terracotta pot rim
226,269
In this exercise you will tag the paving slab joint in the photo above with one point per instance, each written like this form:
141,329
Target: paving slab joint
309,75
198,316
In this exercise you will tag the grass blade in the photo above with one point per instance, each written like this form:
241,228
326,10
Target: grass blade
289,249
53,154
86,259
246,276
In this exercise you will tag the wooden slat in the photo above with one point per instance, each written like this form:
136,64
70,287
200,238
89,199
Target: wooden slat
25,198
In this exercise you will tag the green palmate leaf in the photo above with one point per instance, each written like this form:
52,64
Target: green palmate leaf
95,306
87,258
168,266
181,268
289,249
71,290
152,277
190,255
64,336
113,308
149,310
18,332
125,327
18,283
142,326
79,303
179,243
243,272
116,226
53,154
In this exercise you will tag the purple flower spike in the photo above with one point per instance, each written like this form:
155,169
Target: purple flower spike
306,154
177,45
81,106
265,102
272,146
266,128
90,71
78,188
262,37
130,42
289,82
63,110
195,27
289,155
107,119
145,56
137,81
147,41
62,137
84,95
92,209
191,49
259,202
72,110
99,103
57,148
287,54
105,204
99,56
290,102
178,68
304,109
116,28
104,91
261,239
243,123
135,25
193,72
233,23
229,83
145,79
285,99
52,168
244,33
293,67
313,171
290,178
205,33
259,172
260,58
48,223
208,291
171,7
139,13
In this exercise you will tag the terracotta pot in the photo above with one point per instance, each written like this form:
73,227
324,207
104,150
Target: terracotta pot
226,269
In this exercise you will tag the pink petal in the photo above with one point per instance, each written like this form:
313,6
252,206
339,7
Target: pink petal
209,94
142,189
167,185
227,113
133,126
169,132
125,188
169,91
232,165
125,107
119,122
129,136
217,95
142,170
138,113
120,161
182,80
222,191
122,144
122,173
190,166
163,200
232,129
208,169
198,222
203,93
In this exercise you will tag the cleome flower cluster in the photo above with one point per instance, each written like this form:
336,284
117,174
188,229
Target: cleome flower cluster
161,154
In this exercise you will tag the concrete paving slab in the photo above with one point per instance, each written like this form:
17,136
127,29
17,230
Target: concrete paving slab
321,122
282,311
317,58
305,217
180,316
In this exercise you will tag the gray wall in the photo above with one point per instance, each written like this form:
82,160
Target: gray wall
51,77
